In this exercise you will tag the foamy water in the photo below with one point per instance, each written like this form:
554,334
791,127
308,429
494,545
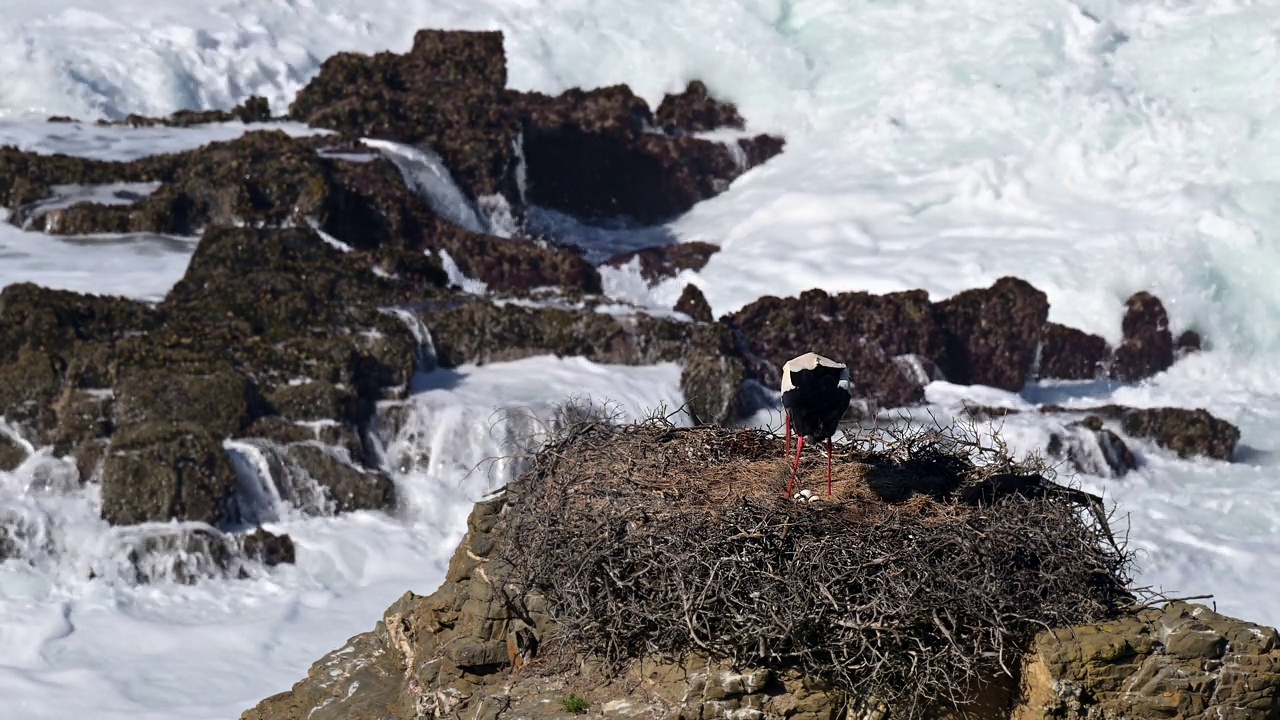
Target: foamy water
1092,148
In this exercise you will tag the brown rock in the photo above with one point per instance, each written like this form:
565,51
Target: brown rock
1173,662
1147,348
1071,354
666,261
695,111
12,452
694,304
347,487
160,471
993,334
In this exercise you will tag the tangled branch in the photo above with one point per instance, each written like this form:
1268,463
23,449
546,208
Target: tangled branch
928,572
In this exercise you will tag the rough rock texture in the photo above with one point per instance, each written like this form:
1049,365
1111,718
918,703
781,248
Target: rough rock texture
1092,448
159,471
992,333
1148,345
592,154
1071,354
254,109
190,555
586,153
446,93
658,263
862,330
12,453
269,179
1187,432
997,336
1182,661
694,110
461,652
694,304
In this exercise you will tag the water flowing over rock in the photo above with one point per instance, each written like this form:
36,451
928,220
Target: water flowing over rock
592,153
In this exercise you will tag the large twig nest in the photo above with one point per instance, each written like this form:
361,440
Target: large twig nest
932,566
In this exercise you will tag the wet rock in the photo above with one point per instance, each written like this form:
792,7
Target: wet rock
694,304
254,109
445,94
309,400
1093,449
694,110
267,179
589,154
347,487
160,471
482,331
12,453
268,548
188,556
862,330
1071,354
29,385
993,333
1182,660
218,399
1186,432
666,261
1188,342
1147,347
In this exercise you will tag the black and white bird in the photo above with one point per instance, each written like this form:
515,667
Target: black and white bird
815,395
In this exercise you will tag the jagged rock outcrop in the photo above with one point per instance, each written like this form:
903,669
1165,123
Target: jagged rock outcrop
1147,347
997,336
269,179
588,153
664,261
694,304
1183,661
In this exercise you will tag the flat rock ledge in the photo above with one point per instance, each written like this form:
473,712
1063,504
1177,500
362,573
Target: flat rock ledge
464,652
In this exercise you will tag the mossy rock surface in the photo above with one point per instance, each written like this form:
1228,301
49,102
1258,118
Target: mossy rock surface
159,471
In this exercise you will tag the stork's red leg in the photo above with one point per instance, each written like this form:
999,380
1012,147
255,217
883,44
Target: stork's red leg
796,467
787,417
828,467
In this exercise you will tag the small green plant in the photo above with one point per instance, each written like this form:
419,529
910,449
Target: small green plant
574,704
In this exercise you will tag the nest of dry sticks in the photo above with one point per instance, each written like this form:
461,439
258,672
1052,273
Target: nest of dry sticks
933,564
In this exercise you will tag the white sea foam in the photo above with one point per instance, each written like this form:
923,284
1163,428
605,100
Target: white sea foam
1094,148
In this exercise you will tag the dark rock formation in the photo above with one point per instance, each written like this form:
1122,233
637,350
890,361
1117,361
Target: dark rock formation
347,487
1092,448
159,471
1071,354
694,110
446,93
12,453
190,555
992,333
591,154
1187,432
665,261
1188,342
1147,348
268,179
255,109
586,153
694,304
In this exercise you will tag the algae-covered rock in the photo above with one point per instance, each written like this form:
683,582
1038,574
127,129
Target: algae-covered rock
1148,344
160,471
